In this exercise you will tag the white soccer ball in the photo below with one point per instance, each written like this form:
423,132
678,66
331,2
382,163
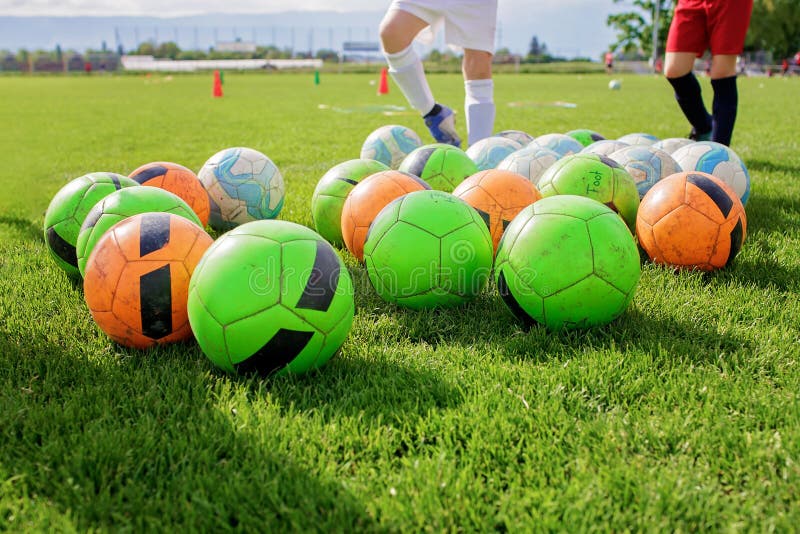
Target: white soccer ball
488,152
390,144
531,162
647,165
718,160
615,85
644,139
519,136
672,144
243,185
562,144
604,147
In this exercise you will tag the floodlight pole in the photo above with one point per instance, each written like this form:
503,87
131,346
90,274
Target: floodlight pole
656,13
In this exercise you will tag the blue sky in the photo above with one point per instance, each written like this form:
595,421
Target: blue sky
191,7
569,27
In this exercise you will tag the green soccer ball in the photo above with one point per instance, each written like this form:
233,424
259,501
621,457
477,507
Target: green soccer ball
122,204
441,166
69,207
585,137
567,262
428,249
270,297
597,177
331,192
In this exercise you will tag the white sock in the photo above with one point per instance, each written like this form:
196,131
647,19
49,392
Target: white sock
479,109
408,73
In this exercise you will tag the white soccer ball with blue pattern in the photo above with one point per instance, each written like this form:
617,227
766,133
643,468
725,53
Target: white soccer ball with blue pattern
647,165
644,139
523,138
489,152
718,160
390,144
531,162
606,147
243,185
562,144
672,144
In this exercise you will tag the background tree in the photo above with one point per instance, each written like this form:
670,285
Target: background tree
775,27
635,28
537,52
167,50
535,49
145,49
24,59
327,55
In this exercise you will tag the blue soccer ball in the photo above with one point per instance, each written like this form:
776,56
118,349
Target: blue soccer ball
489,152
531,162
390,145
718,160
561,144
243,185
647,165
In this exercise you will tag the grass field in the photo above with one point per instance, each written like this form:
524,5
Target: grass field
682,415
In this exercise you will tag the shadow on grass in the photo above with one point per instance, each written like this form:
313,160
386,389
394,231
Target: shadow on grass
142,444
762,271
376,387
758,165
491,328
25,227
767,214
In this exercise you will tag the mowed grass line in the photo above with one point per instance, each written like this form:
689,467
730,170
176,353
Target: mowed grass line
683,414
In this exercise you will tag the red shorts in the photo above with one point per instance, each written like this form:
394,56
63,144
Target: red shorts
720,25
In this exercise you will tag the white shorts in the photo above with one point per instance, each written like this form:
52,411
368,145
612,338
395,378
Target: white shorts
467,23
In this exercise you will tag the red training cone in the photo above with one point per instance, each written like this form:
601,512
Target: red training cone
217,85
383,86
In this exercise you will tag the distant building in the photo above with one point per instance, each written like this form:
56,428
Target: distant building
151,64
361,51
241,47
75,63
47,64
10,63
103,61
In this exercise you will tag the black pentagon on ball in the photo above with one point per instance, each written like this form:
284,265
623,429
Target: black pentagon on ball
323,280
154,233
277,353
608,161
61,247
714,192
155,302
511,301
149,173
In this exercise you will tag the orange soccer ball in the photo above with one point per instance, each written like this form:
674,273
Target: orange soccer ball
137,278
178,180
691,220
367,199
498,196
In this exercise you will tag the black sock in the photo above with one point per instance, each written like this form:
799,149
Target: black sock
726,100
434,111
690,99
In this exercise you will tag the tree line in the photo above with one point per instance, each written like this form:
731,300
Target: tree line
774,27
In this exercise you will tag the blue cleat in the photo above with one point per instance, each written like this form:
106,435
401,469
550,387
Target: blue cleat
443,127
694,136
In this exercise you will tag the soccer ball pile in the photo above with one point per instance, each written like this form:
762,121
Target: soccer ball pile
554,220
268,296
432,233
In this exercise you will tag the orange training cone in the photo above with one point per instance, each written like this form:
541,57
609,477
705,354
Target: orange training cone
383,86
217,85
